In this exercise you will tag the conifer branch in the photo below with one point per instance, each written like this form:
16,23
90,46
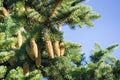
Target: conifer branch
36,6
55,8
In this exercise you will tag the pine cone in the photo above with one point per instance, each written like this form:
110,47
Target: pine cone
34,48
38,61
59,26
4,11
26,69
49,48
56,48
19,39
29,52
62,48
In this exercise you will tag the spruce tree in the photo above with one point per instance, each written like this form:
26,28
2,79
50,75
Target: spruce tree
32,44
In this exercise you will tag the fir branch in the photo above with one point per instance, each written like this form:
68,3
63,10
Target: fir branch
5,56
34,15
76,2
3,70
55,8
36,5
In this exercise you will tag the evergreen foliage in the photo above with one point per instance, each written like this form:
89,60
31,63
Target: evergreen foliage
32,45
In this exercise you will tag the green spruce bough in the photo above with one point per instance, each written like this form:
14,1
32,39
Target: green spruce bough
32,45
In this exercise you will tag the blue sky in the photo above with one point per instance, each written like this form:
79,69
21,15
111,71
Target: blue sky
106,30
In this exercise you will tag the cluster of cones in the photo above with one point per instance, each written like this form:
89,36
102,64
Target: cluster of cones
34,53
56,47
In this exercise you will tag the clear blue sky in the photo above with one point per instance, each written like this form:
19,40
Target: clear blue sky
106,30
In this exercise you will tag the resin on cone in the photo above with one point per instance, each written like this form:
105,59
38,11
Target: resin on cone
56,48
26,69
49,48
